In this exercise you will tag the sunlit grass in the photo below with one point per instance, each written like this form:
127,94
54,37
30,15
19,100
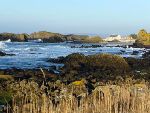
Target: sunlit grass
29,97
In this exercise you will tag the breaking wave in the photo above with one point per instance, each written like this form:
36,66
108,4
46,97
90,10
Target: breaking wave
2,45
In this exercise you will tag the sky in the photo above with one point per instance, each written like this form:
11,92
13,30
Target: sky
102,17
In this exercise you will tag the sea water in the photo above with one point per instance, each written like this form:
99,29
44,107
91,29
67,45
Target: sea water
31,55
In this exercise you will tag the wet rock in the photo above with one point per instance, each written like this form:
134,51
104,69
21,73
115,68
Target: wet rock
57,60
87,46
122,51
53,68
146,54
135,53
4,54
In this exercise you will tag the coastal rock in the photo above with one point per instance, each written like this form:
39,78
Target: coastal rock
146,54
143,39
4,54
135,53
49,37
57,60
87,46
98,66
14,37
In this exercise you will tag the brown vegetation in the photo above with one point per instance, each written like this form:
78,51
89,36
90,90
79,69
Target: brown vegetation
28,97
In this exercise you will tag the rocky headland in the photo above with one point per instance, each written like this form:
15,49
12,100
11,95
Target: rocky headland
49,37
143,39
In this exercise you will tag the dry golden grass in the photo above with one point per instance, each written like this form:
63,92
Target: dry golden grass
6,77
30,98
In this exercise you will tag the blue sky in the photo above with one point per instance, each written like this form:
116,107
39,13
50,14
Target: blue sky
75,16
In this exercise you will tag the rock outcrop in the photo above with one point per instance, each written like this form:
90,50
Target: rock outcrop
143,39
49,37
56,37
14,37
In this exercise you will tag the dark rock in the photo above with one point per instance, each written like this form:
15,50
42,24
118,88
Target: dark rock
135,53
100,66
123,51
4,54
57,60
53,68
146,54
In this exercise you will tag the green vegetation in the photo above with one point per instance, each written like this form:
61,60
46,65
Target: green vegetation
5,97
5,94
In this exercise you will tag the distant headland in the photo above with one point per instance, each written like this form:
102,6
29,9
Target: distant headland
141,39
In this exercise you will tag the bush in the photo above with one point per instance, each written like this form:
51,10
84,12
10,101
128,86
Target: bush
101,66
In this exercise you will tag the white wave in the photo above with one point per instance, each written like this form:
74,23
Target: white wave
9,40
38,40
2,45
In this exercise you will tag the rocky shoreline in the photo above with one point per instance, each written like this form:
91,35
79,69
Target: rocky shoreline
53,72
80,74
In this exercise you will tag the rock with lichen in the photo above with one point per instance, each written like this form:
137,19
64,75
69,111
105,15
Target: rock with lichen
143,39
